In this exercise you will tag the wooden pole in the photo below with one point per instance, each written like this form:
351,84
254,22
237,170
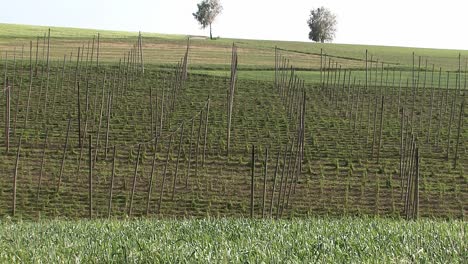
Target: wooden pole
431,107
416,187
61,84
7,114
230,101
90,184
109,109
80,140
92,51
274,183
206,132
413,92
252,187
450,128
41,170
64,155
178,159
37,53
15,176
276,67
402,145
111,187
48,49
13,87
366,72
374,130
153,133
197,149
134,181
294,172
43,54
410,182
150,186
98,48
98,133
164,175
460,127
190,154
321,70
141,55
30,84
162,112
381,129
265,183
281,181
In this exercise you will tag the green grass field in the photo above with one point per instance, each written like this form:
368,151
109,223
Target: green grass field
308,240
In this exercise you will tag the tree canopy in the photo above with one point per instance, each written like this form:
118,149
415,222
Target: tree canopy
207,12
322,24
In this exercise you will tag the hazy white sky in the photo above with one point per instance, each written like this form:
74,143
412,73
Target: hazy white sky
416,23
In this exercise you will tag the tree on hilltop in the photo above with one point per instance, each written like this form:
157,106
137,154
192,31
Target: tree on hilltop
207,12
322,24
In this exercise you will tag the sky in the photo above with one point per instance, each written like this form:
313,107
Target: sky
410,23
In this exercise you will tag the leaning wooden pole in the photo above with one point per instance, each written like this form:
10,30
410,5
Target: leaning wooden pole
30,84
230,101
197,149
178,159
274,183
135,174
164,175
281,180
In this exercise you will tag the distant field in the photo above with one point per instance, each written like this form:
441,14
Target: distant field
163,49
309,240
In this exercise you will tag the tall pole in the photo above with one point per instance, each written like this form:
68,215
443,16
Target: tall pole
252,183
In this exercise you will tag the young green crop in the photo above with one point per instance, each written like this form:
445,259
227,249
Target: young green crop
310,240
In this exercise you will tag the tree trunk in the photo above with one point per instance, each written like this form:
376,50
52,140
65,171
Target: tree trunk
211,36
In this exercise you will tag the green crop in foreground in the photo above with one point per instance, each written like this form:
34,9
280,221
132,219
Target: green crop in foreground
347,240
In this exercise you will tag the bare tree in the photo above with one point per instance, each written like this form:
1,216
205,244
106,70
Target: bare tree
322,24
207,12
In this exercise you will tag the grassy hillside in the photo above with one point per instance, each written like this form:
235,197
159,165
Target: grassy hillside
170,133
